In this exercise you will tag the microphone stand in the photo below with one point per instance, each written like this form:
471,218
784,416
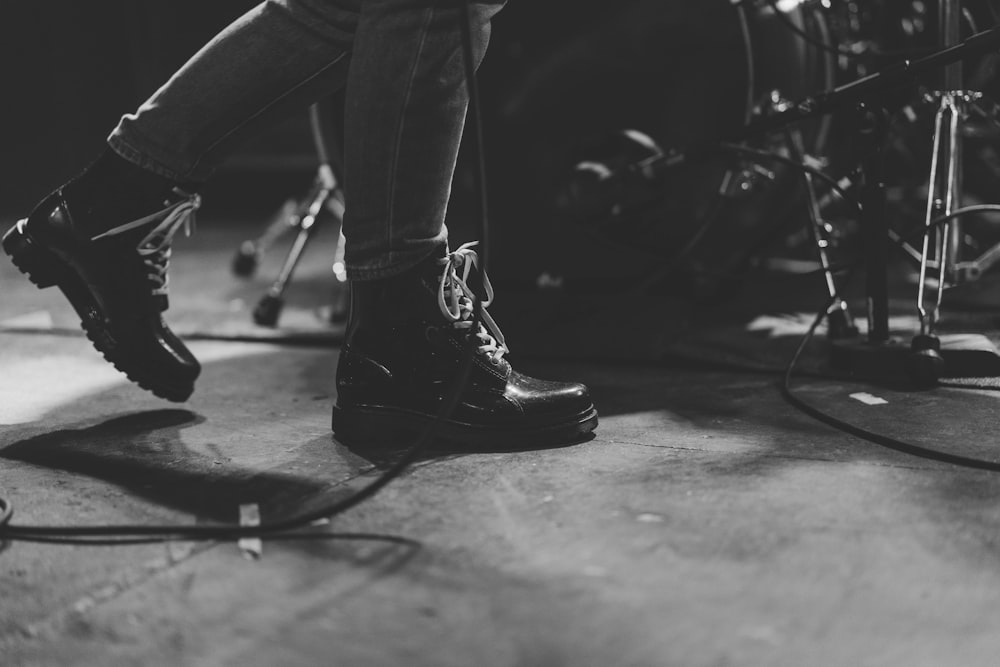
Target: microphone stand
325,200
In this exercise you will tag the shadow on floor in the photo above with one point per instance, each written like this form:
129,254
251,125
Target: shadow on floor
144,454
758,435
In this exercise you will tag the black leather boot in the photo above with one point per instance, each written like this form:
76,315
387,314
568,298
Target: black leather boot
405,341
114,273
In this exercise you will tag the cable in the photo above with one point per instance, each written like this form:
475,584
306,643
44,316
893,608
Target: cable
786,386
857,431
136,533
475,119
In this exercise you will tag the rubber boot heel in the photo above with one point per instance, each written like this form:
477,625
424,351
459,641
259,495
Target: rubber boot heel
29,257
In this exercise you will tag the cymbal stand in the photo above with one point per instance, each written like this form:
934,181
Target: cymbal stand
942,249
960,102
325,198
940,245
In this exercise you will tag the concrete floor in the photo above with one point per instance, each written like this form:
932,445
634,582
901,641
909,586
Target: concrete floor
708,522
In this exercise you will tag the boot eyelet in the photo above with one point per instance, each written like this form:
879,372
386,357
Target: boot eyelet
430,334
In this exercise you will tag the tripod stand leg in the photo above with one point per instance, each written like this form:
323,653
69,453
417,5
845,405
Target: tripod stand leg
269,308
839,320
248,255
290,218
927,363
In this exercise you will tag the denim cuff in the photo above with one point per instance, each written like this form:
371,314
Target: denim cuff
126,147
395,264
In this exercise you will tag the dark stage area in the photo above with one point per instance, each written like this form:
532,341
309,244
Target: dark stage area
728,509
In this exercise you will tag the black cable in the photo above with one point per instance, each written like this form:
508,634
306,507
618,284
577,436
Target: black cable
10,531
475,120
857,431
134,533
312,536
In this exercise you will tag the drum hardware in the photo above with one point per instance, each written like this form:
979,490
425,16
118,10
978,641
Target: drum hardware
952,111
925,359
749,178
819,232
324,200
943,247
839,320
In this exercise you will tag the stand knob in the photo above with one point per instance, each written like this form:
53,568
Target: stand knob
245,261
925,365
268,310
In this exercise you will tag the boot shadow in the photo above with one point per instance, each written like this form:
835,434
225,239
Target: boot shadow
143,453
385,454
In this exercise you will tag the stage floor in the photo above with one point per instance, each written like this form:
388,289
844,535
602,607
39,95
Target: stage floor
708,522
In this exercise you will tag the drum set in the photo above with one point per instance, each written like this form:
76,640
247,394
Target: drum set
876,120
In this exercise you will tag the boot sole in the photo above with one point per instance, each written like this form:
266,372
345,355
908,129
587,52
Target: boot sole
378,426
45,269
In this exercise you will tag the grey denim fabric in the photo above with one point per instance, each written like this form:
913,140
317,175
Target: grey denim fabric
401,62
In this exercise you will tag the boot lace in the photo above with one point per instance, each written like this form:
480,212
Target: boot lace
457,301
154,248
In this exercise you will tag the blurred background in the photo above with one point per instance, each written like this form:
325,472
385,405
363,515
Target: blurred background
559,74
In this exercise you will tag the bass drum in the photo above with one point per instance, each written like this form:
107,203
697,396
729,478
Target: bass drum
685,73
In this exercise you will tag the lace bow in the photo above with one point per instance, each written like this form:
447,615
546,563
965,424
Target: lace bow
457,300
154,248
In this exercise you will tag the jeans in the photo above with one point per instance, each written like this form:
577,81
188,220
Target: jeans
402,63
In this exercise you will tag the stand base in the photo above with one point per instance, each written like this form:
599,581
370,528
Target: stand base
963,355
268,310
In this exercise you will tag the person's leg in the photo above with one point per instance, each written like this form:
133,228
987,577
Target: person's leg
277,58
104,238
406,103
405,113
411,302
